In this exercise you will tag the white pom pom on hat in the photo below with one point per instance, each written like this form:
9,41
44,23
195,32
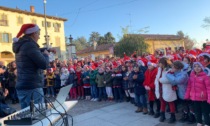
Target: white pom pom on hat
26,29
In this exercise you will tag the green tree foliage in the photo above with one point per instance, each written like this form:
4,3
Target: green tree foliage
94,36
80,43
188,42
107,38
129,44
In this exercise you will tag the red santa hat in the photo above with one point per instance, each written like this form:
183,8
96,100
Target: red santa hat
193,53
152,63
142,62
50,70
151,60
92,67
26,29
126,58
100,62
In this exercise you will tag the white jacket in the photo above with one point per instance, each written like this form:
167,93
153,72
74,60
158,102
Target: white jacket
63,78
169,95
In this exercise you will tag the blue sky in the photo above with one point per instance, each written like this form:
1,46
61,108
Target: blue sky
162,16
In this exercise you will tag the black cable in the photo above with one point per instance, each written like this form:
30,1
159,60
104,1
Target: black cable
72,121
50,103
63,108
43,114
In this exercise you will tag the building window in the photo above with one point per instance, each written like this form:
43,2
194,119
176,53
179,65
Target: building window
5,37
3,20
57,41
48,24
33,21
19,20
56,27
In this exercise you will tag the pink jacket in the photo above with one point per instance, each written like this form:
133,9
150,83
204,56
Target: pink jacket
198,88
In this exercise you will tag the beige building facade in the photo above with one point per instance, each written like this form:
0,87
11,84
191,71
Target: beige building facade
11,21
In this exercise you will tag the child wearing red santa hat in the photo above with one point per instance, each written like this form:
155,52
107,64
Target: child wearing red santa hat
149,85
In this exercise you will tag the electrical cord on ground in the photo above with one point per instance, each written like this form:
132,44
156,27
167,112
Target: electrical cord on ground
64,109
43,115
50,103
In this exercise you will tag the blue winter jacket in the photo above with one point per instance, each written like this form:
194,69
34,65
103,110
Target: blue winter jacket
138,83
30,64
179,78
84,79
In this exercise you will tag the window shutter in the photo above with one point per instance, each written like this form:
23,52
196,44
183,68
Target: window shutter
1,37
59,25
10,37
43,24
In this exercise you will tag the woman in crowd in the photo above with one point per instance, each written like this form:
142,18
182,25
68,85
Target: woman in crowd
12,82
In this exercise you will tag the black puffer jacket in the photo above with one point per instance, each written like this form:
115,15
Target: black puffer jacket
30,63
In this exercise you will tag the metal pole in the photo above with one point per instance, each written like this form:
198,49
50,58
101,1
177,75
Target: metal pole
45,22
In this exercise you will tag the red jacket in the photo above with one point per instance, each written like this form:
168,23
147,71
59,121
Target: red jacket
198,88
149,81
79,75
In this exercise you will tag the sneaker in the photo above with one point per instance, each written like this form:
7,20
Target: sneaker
92,99
96,99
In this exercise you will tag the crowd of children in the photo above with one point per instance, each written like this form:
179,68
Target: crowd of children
175,79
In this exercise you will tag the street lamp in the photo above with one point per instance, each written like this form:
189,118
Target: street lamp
71,48
45,22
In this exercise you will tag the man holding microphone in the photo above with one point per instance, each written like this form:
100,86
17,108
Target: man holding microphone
30,63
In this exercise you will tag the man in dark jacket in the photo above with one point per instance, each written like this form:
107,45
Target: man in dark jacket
30,63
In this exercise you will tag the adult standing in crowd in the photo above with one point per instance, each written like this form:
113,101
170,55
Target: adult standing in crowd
3,74
30,62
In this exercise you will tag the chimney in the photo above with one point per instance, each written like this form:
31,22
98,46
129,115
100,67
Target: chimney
94,45
32,9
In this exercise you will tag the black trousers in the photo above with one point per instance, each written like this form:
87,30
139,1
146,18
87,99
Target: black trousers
151,104
202,108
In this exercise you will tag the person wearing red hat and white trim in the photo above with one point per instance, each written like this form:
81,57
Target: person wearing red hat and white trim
149,85
30,63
